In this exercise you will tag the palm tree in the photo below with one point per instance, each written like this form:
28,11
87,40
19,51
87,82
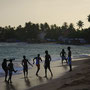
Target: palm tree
46,26
65,26
71,27
80,24
41,27
88,18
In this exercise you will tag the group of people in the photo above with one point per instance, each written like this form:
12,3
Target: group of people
68,59
9,69
37,59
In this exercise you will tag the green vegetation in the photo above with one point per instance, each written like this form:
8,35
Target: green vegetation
31,32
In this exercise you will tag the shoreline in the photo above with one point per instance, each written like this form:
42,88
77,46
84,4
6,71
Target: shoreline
46,43
20,69
61,80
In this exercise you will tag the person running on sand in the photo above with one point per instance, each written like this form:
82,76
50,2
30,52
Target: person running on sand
11,69
63,55
25,66
47,63
69,58
38,59
5,68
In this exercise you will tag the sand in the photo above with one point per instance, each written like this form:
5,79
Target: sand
78,79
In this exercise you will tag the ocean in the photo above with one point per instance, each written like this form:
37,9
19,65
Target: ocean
17,50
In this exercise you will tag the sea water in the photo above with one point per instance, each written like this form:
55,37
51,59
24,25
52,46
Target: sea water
17,50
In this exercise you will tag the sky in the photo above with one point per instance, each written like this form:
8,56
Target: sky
17,12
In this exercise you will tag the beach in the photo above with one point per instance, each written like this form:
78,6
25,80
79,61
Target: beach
78,79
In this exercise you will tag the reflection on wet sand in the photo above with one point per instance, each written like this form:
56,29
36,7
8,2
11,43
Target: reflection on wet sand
40,79
10,86
27,82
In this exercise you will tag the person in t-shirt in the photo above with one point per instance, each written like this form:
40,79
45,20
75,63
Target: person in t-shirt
38,59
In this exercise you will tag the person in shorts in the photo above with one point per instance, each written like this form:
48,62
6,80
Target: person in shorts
25,63
47,63
5,68
11,70
63,55
38,59
69,58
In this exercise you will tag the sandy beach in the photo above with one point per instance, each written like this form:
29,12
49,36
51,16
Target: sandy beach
78,79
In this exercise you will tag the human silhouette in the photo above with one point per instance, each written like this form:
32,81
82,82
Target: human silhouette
38,59
63,56
47,63
11,70
69,58
25,63
5,68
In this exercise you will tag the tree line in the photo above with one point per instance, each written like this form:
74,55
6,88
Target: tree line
31,31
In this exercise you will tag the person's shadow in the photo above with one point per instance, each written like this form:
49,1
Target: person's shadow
65,67
10,86
27,81
49,78
40,78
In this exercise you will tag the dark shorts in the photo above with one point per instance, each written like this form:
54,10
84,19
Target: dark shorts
25,69
64,58
69,60
38,65
47,66
10,72
5,70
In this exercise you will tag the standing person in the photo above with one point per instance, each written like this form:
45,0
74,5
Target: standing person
69,58
63,55
38,58
5,68
47,63
25,66
11,69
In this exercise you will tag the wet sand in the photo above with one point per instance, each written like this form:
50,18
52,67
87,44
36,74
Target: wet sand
21,83
78,79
